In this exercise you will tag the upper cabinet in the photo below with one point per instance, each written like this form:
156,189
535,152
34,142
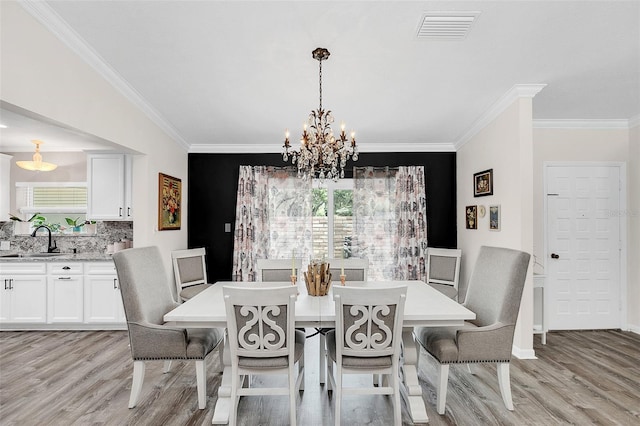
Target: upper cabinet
5,190
109,187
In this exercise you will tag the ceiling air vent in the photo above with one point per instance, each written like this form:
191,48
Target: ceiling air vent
446,25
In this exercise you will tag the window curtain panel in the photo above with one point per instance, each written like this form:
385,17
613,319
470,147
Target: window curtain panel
374,227
390,227
411,219
273,211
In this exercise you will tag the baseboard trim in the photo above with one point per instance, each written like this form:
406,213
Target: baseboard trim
634,328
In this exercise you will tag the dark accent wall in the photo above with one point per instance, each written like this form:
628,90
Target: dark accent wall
213,182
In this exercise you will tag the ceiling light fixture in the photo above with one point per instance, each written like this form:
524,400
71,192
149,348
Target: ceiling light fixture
37,164
321,154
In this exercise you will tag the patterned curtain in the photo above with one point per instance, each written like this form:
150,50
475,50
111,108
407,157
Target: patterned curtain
273,218
390,221
374,220
411,219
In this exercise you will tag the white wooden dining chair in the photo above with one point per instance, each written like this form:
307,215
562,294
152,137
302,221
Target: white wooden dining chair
355,269
367,340
190,272
275,270
443,270
262,340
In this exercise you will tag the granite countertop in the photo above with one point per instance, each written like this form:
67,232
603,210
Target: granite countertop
11,256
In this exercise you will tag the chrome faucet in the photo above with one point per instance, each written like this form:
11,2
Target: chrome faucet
50,248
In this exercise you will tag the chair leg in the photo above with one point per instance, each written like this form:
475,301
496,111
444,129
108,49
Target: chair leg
323,358
201,381
136,385
441,394
233,412
167,366
505,384
337,395
471,369
292,395
397,408
301,372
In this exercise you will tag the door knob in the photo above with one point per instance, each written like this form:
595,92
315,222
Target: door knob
554,256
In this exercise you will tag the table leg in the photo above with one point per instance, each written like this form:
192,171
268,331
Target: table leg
411,390
223,405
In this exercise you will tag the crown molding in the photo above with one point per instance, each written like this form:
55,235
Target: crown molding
54,23
516,92
277,149
582,124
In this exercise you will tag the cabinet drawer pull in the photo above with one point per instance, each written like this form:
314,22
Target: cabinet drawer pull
5,284
128,211
66,268
120,211
10,283
115,283
64,278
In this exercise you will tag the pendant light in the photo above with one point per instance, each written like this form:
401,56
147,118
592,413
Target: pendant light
37,164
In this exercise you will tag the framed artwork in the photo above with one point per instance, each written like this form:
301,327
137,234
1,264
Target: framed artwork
471,214
483,183
494,218
169,202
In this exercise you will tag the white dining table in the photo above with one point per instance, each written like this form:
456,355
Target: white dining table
424,306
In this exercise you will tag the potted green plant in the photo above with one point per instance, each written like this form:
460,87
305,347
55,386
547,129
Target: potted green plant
22,227
77,226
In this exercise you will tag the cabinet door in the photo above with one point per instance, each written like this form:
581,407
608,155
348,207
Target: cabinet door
105,187
103,303
5,300
65,299
28,299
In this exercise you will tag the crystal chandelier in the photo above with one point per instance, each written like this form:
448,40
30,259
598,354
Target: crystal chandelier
321,154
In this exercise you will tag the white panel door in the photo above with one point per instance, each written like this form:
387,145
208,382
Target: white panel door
583,247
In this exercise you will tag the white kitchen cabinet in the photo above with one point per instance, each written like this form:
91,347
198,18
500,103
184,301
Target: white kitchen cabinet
102,299
109,187
23,295
65,289
5,179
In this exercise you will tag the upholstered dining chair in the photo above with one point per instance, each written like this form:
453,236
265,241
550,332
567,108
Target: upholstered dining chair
443,270
262,340
493,293
355,269
275,270
147,296
190,271
366,340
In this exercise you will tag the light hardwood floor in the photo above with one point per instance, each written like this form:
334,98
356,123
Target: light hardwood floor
84,378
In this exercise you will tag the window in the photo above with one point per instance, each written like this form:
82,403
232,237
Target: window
332,215
55,201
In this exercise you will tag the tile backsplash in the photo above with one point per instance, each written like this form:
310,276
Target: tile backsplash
107,233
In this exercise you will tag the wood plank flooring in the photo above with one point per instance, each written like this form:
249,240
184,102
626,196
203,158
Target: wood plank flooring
84,378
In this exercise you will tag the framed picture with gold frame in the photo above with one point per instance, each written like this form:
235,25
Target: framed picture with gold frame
169,202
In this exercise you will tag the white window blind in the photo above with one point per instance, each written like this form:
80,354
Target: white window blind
52,197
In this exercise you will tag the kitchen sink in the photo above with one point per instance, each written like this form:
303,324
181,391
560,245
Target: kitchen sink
20,255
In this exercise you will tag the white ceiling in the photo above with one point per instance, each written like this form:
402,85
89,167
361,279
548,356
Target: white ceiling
225,76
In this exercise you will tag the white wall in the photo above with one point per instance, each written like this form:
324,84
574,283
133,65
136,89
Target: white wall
589,145
504,145
40,74
633,186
